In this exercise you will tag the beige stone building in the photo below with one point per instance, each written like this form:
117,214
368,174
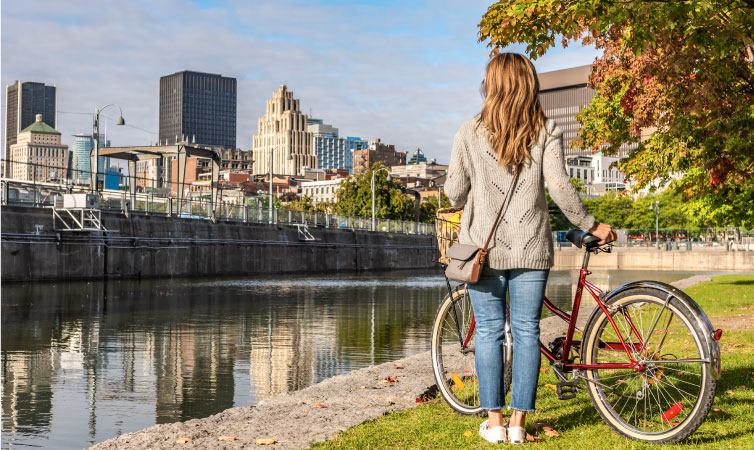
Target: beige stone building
38,154
377,152
283,128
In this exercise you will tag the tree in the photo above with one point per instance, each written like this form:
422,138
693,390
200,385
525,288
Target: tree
429,208
680,73
355,196
304,203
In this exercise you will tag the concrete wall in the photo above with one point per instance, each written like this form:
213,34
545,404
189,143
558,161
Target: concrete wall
652,259
157,246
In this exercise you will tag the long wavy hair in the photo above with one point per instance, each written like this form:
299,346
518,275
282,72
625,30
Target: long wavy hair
511,111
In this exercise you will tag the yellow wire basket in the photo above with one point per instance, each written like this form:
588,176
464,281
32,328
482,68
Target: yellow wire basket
447,229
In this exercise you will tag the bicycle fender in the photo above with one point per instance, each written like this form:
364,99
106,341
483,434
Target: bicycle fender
708,333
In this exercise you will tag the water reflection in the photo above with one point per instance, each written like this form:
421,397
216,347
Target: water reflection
83,362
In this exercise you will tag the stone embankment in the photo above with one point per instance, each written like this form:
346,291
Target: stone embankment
319,412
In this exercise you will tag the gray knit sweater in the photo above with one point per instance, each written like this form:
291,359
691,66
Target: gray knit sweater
523,239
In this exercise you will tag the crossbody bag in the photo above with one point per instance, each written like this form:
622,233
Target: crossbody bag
466,261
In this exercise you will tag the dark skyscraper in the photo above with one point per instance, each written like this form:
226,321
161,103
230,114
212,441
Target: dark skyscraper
23,101
201,106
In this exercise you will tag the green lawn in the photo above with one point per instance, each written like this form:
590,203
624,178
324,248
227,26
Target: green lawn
434,425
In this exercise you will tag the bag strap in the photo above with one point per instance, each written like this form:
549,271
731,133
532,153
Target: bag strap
501,211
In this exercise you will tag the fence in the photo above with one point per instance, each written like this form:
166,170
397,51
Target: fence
237,207
722,238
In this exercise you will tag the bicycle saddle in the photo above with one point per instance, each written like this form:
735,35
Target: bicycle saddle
582,238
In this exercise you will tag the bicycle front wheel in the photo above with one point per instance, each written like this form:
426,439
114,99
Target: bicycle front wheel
666,400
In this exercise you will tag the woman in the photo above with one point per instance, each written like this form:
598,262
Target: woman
511,131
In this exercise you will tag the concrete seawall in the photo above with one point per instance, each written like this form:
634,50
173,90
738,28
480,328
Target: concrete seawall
652,259
159,246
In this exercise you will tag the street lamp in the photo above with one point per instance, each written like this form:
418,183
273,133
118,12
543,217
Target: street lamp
94,161
388,179
656,207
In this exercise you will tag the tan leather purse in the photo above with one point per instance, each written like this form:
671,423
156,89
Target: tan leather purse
466,261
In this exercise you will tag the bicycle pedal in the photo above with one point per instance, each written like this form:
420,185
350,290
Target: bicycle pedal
566,390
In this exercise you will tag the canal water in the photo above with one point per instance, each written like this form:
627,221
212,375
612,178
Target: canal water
84,362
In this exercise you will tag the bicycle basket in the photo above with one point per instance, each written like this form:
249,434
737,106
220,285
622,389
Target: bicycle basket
447,229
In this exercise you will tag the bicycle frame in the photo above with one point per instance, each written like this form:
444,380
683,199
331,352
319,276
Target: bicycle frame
564,363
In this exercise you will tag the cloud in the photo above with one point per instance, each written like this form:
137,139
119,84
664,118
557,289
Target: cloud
407,73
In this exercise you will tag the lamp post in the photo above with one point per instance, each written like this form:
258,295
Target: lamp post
388,179
656,207
94,161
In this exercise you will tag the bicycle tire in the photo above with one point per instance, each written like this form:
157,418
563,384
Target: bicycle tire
671,399
455,370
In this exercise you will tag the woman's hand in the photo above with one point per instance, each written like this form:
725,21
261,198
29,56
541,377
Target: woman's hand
603,231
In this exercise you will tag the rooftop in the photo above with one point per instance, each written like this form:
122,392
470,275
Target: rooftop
40,127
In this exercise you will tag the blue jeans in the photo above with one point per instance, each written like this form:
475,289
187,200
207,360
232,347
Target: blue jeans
527,290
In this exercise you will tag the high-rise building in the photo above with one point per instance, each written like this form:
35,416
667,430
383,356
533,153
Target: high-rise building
562,94
81,163
198,108
23,101
38,154
283,130
377,152
332,151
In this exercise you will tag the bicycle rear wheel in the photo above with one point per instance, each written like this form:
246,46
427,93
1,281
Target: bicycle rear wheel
670,396
452,353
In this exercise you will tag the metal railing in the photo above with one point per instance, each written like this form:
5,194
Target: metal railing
229,208
717,238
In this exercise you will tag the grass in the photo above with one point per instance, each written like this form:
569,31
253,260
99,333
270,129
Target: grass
434,425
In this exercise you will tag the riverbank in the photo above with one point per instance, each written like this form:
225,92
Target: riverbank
727,300
317,413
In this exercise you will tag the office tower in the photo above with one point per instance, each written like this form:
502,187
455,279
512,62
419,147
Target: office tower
198,108
283,130
38,154
332,151
23,101
562,94
81,160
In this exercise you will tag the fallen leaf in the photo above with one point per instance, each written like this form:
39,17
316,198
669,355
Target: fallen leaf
715,300
390,379
531,438
546,428
744,387
673,424
320,405
542,370
468,433
183,440
265,441
729,392
398,366
552,386
721,411
420,400
226,438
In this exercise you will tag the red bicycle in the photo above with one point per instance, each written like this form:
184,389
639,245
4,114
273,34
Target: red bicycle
648,355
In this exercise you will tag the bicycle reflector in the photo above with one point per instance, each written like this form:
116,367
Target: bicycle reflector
672,412
718,334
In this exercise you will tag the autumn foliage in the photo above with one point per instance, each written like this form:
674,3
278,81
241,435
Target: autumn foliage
675,78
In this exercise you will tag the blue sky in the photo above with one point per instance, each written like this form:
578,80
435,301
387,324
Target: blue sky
406,72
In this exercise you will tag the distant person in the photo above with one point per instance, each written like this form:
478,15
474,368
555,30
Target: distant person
511,131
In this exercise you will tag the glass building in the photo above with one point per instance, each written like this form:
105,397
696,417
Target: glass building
81,164
199,108
333,152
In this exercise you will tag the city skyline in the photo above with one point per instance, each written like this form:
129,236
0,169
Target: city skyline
407,74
